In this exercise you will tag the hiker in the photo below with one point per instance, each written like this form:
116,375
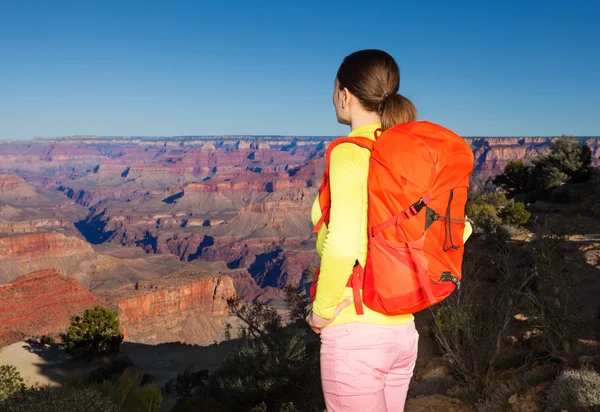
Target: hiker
365,319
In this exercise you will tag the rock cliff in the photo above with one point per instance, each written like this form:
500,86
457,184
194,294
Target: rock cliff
187,306
40,303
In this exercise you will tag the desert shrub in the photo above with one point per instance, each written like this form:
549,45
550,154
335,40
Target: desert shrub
568,160
495,398
514,214
272,364
11,381
552,298
110,371
483,214
470,325
283,372
575,391
198,404
295,299
258,319
96,332
129,394
45,399
516,178
188,381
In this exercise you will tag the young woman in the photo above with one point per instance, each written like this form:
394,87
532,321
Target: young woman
366,360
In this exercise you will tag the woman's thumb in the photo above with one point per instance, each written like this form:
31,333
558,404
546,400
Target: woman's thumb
343,304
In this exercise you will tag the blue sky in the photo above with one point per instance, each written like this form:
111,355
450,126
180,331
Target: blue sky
163,68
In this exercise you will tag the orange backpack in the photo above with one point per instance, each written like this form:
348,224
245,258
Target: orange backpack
417,187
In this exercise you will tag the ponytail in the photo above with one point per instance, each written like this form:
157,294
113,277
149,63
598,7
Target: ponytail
396,109
373,77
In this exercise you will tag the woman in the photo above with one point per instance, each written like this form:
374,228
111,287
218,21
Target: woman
367,360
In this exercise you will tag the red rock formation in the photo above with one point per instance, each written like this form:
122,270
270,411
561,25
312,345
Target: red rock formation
41,245
40,303
188,306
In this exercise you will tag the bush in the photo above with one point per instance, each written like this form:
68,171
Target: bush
514,214
295,299
515,178
129,394
568,160
575,391
470,325
110,371
286,371
273,365
95,333
55,400
11,381
552,299
483,214
187,382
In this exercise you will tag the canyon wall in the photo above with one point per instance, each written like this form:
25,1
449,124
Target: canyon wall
40,303
187,306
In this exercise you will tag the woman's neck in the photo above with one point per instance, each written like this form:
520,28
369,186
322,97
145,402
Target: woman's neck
364,118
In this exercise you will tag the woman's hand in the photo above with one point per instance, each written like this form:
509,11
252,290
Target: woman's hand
317,323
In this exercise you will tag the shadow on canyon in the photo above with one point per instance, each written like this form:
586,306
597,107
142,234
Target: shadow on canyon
160,363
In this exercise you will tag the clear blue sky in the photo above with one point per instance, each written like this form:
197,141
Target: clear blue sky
162,68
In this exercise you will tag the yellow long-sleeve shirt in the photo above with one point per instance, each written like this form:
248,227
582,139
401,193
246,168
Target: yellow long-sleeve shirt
345,239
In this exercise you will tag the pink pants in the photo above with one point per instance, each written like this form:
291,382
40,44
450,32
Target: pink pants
367,367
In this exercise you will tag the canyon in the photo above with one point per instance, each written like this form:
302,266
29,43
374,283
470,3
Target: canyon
163,230
40,303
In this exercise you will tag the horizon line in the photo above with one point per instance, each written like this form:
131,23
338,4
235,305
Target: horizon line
93,136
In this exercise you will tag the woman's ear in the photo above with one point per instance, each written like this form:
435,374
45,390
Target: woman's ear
345,97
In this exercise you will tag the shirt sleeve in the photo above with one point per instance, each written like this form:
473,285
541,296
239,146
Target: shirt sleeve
468,230
348,172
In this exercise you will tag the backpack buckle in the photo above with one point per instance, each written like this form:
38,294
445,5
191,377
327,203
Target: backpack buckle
416,207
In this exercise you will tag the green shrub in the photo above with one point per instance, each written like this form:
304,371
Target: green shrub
471,324
514,214
129,394
574,391
257,372
568,160
110,371
11,381
187,382
483,214
95,333
47,399
516,178
552,300
273,365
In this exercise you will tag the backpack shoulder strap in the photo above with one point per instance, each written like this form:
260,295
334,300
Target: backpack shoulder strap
324,193
357,140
